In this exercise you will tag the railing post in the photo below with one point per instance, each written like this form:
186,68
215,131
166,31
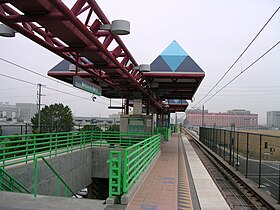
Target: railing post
237,151
51,135
260,161
26,150
224,144
68,142
233,148
125,169
220,141
34,146
56,144
279,184
247,155
91,138
72,142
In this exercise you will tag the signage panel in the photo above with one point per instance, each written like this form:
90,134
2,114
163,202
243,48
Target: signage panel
86,85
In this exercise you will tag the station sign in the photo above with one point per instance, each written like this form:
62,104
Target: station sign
85,85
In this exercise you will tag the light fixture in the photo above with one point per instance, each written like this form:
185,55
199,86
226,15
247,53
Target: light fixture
6,31
143,68
72,67
118,27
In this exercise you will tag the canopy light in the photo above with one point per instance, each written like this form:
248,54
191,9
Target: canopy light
118,27
6,31
143,68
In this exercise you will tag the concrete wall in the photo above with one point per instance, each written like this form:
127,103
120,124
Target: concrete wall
75,168
100,167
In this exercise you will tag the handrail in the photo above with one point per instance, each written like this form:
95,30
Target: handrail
12,183
137,158
50,167
23,148
165,131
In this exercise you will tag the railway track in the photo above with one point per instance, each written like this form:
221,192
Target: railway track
238,194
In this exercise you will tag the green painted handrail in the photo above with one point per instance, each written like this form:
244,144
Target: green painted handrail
165,131
115,177
23,148
51,168
9,183
137,158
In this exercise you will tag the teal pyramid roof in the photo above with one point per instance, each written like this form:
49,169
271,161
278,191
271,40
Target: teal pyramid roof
174,59
174,49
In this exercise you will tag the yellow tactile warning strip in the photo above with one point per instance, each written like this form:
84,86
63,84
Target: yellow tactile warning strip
184,195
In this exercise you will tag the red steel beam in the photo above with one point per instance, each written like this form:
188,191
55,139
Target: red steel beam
57,11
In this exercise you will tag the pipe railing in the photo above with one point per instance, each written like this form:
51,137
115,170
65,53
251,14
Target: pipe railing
16,149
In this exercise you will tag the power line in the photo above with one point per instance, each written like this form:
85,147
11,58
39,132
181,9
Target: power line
238,57
31,83
243,71
21,80
34,72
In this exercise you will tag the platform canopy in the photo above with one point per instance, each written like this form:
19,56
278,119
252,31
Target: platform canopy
173,79
177,105
174,74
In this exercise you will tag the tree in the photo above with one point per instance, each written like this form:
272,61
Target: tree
113,127
54,118
91,127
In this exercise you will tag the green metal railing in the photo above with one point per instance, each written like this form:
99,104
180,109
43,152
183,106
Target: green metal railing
24,148
8,183
173,128
115,177
165,131
136,158
59,179
136,150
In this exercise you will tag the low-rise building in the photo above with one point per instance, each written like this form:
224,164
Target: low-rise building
273,119
238,117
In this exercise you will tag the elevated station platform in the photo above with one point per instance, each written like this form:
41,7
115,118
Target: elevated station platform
178,180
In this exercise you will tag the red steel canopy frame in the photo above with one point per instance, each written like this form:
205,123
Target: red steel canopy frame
59,29
75,35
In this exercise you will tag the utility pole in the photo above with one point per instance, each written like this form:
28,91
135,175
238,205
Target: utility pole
39,95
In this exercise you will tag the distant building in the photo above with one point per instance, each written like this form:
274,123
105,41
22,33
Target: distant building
82,121
238,117
273,119
8,111
27,111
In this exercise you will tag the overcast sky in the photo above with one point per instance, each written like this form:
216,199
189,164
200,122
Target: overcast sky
213,33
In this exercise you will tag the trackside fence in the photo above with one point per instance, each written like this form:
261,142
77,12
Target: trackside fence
255,155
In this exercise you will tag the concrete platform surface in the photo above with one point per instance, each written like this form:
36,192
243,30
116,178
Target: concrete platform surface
21,201
208,193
